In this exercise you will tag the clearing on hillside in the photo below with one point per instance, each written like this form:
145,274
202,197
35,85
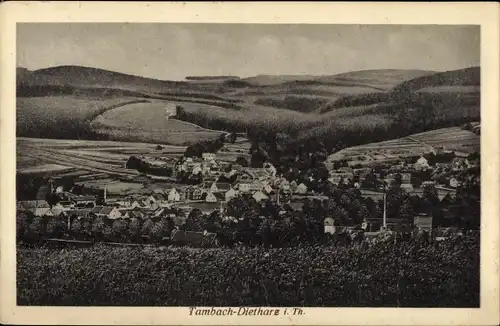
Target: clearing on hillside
149,122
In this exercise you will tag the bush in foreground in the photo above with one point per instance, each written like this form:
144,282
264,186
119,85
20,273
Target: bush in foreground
443,274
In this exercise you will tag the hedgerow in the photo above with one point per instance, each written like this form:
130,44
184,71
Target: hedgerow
443,274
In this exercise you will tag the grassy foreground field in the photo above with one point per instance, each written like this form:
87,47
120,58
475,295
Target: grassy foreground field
443,274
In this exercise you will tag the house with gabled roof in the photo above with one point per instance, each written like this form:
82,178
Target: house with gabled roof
210,198
421,164
193,193
173,195
259,196
106,211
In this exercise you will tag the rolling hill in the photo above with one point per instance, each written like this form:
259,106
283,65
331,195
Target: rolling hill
340,109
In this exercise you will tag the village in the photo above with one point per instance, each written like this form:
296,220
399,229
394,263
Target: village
207,184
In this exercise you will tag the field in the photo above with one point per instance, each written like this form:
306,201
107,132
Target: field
105,157
39,114
443,274
97,163
453,138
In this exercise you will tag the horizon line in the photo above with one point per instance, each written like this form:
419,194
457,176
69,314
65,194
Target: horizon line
243,77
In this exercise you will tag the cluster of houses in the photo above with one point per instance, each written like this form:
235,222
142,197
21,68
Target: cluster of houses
441,174
262,184
161,199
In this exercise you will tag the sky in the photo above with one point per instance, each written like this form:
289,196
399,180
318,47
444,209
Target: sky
174,51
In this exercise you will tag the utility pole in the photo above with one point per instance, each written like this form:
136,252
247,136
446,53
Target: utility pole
384,218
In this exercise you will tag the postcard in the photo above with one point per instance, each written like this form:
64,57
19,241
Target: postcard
249,163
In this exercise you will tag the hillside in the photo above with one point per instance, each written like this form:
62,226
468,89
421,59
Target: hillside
344,109
462,77
450,139
93,77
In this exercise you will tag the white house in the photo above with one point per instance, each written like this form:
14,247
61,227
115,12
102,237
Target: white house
454,183
329,224
211,197
422,163
301,189
173,195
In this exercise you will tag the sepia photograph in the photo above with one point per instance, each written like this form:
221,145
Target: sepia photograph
193,170
248,165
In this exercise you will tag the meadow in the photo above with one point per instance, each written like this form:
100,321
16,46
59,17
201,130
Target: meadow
147,122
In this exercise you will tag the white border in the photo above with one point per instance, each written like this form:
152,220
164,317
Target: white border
484,14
